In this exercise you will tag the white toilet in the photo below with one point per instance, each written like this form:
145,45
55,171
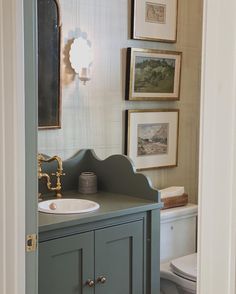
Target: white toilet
178,256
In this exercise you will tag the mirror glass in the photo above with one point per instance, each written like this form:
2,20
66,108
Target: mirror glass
48,64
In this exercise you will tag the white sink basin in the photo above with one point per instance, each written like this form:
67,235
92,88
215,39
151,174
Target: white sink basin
67,206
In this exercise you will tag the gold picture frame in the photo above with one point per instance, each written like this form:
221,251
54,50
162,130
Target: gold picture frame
155,20
153,74
152,138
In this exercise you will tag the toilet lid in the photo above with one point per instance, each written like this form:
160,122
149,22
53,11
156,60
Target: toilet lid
185,267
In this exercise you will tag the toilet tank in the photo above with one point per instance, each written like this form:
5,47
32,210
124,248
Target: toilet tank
178,232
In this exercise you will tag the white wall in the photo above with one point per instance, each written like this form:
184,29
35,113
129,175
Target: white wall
217,189
93,115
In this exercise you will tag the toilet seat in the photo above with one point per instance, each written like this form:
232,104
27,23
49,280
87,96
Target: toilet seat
185,267
182,272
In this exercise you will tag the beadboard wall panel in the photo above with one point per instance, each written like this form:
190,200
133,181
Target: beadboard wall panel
93,115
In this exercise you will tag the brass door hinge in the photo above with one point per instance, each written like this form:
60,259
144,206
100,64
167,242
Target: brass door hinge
31,243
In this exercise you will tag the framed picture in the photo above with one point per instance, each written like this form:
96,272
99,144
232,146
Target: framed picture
153,74
155,20
152,138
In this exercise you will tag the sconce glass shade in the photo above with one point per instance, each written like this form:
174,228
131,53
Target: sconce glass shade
81,58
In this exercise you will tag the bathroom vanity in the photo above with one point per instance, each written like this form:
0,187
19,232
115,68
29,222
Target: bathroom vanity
113,250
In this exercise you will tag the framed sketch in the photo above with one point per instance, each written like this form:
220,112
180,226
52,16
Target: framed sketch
155,20
152,138
153,74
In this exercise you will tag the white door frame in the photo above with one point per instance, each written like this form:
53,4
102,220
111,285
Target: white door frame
17,103
217,206
12,149
217,174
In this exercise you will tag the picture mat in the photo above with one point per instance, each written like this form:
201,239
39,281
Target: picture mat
176,79
143,29
153,161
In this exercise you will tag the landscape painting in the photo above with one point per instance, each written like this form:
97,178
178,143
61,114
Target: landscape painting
152,139
153,74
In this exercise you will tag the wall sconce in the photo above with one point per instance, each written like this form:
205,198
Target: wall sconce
81,58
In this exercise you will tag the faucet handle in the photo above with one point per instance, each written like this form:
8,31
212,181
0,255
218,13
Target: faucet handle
58,174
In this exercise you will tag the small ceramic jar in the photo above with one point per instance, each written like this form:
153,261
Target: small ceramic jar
88,183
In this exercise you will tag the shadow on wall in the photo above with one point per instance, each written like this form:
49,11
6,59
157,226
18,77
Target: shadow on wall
68,74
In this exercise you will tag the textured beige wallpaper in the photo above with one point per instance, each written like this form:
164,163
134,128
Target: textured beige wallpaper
93,115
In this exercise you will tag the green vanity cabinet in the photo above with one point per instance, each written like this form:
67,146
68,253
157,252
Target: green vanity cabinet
112,257
112,250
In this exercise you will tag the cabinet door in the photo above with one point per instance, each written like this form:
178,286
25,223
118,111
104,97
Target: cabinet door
119,259
65,265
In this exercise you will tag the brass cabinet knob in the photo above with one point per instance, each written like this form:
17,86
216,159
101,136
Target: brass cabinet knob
101,280
90,283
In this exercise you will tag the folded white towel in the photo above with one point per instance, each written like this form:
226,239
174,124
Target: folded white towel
172,192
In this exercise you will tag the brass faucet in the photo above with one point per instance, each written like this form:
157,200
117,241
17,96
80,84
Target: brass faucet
58,173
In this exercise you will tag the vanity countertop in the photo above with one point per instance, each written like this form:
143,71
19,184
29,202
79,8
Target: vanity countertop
111,205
